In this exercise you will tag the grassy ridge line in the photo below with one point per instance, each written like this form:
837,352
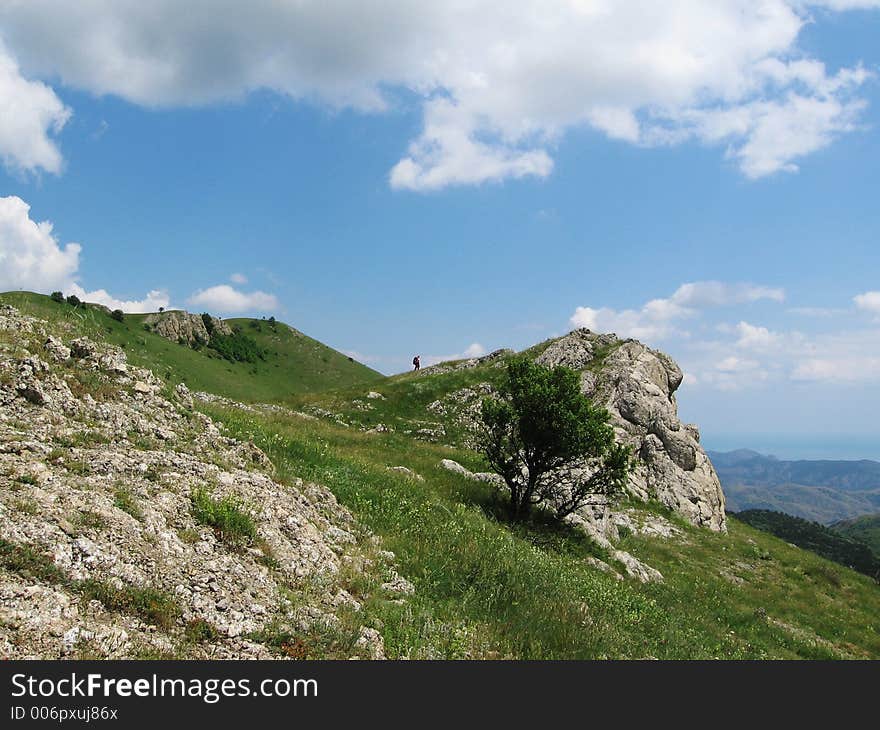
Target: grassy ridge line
488,589
294,364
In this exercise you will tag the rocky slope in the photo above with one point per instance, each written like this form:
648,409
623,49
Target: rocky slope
637,385
185,328
131,527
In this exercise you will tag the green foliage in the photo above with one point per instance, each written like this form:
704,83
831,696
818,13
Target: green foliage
151,605
28,562
865,528
118,315
237,347
74,301
228,516
820,539
208,321
199,630
548,442
57,296
123,499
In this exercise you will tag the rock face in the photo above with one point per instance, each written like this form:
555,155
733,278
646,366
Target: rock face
100,467
637,385
185,328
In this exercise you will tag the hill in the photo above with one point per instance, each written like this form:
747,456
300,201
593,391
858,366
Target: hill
823,491
293,363
865,528
240,497
820,539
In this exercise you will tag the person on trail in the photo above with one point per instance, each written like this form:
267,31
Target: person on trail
417,363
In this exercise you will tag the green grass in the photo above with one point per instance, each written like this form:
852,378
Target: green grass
228,517
487,589
294,363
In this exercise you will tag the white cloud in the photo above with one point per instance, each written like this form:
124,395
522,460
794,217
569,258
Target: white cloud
30,255
755,337
499,82
473,350
30,113
839,370
226,299
237,278
32,258
869,302
150,303
658,318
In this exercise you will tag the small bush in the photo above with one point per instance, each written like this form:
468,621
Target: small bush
199,630
118,315
125,500
57,296
237,347
27,562
227,516
74,301
149,604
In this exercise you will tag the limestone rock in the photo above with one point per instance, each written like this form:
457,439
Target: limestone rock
185,328
637,385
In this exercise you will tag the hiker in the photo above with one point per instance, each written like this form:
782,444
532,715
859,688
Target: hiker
417,363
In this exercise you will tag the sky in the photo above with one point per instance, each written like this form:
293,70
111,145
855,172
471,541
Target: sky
450,178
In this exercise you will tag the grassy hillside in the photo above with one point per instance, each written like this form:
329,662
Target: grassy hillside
865,528
294,363
489,589
820,539
486,588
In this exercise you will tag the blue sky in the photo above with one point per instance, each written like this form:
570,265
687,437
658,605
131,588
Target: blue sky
423,180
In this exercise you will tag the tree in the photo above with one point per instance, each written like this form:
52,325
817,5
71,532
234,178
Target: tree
118,315
548,442
73,300
208,321
57,296
161,309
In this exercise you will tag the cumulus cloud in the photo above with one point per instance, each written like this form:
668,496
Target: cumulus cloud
152,302
30,114
32,258
660,318
30,255
238,278
868,302
473,350
499,83
226,299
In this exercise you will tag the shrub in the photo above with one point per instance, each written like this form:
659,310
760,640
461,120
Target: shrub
57,296
548,442
118,315
237,347
74,301
208,321
228,517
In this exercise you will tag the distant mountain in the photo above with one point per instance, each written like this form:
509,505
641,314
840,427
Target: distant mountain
865,528
815,537
824,491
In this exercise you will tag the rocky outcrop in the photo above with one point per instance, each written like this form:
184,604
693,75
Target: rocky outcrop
185,328
637,385
102,551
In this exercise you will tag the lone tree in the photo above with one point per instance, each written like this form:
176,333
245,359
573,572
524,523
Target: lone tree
548,442
57,296
118,315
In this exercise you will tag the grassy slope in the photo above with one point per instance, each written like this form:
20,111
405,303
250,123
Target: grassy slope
488,589
865,528
295,364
